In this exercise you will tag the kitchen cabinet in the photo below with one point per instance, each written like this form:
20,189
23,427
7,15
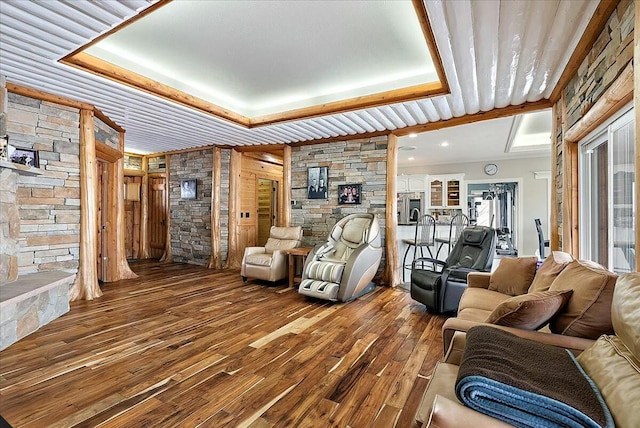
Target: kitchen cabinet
446,191
411,183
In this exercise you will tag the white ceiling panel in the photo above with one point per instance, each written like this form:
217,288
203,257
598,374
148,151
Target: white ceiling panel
495,53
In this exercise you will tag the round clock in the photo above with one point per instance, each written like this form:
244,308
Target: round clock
490,169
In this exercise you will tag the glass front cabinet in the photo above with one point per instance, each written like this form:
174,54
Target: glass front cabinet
446,191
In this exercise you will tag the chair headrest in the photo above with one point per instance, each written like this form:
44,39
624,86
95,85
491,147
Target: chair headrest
354,231
625,311
473,235
293,232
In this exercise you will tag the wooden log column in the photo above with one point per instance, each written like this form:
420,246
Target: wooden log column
167,257
235,169
215,261
392,271
286,177
120,268
144,210
86,285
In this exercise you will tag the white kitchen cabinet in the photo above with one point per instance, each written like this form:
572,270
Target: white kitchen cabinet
411,183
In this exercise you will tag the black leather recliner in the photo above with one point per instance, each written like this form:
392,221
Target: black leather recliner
439,284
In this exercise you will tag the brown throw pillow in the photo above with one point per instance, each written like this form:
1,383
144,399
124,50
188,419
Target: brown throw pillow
529,311
550,269
588,312
513,275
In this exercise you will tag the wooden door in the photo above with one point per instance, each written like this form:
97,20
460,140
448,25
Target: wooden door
266,208
132,216
248,221
157,216
102,174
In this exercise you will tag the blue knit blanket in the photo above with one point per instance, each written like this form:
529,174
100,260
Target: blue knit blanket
526,383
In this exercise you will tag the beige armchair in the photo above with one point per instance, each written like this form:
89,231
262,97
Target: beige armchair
269,263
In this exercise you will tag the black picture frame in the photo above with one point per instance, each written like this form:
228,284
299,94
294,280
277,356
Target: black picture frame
188,188
350,194
26,157
318,182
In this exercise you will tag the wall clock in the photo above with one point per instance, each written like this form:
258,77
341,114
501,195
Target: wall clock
490,169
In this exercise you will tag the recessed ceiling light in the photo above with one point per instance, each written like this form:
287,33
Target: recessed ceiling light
407,148
413,135
411,158
444,144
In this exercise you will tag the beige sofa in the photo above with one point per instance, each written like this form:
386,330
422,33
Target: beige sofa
611,361
516,297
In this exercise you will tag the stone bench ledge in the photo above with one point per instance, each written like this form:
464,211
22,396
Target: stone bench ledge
31,285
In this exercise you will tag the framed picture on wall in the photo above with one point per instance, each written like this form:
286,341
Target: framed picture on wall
188,188
318,182
349,194
26,157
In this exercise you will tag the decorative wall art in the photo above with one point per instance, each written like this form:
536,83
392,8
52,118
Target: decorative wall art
188,188
349,194
26,157
318,182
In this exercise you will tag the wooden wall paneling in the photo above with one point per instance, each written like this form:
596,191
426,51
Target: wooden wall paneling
144,210
132,222
234,259
265,209
248,220
215,260
167,256
86,285
636,61
392,268
554,238
157,215
119,266
285,220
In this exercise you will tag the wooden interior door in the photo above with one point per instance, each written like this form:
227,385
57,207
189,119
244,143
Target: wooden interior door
248,222
157,227
102,174
267,198
132,216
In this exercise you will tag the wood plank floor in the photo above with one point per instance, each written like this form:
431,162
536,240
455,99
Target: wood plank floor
186,346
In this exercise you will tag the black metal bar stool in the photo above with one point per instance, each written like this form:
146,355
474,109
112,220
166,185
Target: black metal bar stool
458,223
424,237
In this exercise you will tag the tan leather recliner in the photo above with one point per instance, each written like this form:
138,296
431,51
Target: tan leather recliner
611,361
269,263
342,268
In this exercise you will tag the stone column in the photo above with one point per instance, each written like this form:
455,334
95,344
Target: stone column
9,226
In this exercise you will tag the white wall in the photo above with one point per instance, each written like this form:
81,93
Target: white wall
533,192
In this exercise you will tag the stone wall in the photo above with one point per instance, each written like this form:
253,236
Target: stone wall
9,226
224,205
191,218
351,162
608,56
157,164
50,203
106,134
133,162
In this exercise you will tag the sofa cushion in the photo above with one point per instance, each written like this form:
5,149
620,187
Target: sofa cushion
259,259
529,311
588,312
473,314
550,269
274,244
481,298
513,275
617,373
625,311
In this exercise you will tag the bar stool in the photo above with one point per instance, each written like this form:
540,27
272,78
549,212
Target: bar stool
424,237
458,223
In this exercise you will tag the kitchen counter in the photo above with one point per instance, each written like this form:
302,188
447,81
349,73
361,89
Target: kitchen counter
408,231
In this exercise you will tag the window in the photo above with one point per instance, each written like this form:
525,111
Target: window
607,194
